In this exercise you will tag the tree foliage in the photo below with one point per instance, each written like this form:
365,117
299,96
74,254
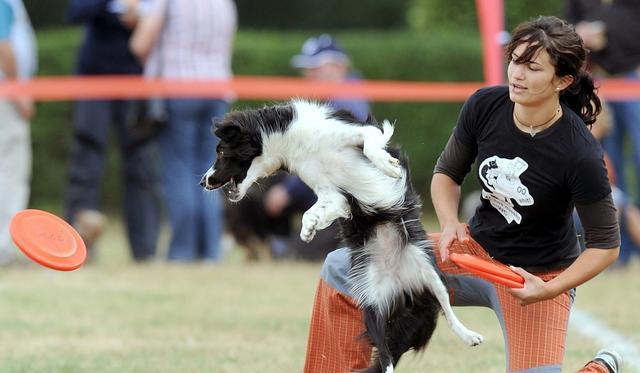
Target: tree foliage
322,14
429,15
46,13
339,14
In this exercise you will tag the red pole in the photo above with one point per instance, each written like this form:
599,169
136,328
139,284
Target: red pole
491,22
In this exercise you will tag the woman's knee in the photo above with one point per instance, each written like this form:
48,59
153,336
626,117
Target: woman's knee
335,270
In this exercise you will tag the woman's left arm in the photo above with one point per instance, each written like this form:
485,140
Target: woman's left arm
586,266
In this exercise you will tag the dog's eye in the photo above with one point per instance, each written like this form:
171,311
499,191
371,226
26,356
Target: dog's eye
221,154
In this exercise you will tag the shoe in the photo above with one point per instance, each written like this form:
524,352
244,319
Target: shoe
611,359
89,224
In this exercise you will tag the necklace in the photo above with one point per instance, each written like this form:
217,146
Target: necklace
532,127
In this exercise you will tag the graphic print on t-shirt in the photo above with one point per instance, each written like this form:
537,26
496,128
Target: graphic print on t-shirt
501,177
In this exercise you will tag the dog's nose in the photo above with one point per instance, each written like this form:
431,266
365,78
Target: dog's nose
203,181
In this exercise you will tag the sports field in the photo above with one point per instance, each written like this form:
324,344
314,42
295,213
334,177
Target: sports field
113,316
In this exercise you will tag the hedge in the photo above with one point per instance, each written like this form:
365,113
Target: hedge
281,14
421,128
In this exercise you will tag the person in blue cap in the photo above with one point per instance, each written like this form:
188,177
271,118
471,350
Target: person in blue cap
322,58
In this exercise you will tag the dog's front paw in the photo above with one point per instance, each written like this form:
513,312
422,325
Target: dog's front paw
306,235
234,196
309,225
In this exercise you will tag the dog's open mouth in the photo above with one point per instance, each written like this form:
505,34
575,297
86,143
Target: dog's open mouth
229,186
225,185
230,189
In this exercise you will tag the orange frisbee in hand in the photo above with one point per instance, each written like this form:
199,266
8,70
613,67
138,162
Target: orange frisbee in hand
48,240
497,273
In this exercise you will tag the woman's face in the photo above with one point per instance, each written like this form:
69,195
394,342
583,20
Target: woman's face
330,71
532,81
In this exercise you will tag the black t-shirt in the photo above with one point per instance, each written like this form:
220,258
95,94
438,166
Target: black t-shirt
529,184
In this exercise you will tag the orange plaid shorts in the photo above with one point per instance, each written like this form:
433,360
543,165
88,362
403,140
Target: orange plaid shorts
534,334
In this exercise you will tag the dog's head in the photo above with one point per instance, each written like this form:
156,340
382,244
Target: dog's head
238,147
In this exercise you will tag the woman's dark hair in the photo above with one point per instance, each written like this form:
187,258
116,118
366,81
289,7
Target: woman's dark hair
568,55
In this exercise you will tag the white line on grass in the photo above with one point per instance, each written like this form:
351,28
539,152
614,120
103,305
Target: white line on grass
590,327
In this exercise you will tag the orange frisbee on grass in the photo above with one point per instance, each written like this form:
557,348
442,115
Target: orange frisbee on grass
496,273
48,240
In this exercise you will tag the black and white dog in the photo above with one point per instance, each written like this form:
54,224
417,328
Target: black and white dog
356,177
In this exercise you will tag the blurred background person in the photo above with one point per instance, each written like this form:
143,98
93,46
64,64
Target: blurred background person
610,31
628,212
105,51
189,39
321,59
18,60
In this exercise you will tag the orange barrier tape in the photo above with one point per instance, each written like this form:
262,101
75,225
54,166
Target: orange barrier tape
261,88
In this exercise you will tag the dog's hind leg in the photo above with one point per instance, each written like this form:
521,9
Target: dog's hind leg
373,143
437,288
373,147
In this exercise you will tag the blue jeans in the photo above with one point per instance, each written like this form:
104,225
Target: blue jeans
626,123
187,149
93,121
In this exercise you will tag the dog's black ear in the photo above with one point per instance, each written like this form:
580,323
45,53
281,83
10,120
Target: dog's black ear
215,123
227,130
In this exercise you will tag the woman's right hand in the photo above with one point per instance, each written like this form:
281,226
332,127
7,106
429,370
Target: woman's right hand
452,232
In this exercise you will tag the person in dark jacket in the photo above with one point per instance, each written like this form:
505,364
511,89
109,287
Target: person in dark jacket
105,51
610,31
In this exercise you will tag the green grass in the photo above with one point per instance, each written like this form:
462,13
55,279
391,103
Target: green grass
114,316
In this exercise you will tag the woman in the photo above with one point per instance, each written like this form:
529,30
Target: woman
536,159
188,40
